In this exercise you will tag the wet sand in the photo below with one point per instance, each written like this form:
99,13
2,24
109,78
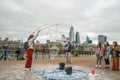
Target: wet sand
14,69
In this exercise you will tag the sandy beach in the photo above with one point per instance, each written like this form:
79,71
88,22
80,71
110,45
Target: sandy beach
14,69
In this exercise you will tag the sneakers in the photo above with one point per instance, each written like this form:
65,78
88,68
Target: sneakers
30,69
27,69
98,66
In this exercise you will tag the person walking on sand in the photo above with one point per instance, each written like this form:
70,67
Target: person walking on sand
30,40
106,53
115,58
99,55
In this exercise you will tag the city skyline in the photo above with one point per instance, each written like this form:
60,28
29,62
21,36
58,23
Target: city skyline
20,18
74,37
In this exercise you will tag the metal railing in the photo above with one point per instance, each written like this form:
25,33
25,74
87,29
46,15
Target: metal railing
45,54
62,53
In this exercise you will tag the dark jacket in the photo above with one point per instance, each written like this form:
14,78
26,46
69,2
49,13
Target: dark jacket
114,51
69,48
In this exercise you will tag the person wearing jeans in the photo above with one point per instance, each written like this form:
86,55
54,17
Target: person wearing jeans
5,51
106,53
99,55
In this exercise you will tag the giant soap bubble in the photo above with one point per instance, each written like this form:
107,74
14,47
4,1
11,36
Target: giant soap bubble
53,51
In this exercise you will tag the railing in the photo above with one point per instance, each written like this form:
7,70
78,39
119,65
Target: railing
62,53
45,54
13,56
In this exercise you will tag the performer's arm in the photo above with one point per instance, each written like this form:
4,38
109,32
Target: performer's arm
35,35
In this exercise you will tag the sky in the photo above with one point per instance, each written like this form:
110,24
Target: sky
19,18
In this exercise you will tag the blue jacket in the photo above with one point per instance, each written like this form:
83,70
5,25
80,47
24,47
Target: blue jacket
106,56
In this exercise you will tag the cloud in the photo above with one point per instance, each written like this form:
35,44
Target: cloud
89,17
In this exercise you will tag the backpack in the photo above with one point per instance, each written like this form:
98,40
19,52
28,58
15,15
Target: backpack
118,53
26,46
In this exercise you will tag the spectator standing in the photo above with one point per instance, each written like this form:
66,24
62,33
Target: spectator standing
115,58
99,55
106,53
5,50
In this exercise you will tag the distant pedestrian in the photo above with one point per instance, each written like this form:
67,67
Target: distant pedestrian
99,55
106,53
30,40
115,58
4,50
19,54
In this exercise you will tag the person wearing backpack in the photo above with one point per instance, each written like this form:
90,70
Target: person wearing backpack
115,58
29,51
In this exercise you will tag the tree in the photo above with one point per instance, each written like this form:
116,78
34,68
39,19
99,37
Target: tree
37,42
7,38
0,38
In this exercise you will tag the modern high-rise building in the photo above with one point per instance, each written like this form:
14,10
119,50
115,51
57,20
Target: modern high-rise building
88,41
102,39
71,34
77,39
47,41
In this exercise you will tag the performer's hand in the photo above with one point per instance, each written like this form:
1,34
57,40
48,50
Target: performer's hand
33,33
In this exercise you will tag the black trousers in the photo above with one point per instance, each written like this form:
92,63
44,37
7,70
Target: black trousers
107,62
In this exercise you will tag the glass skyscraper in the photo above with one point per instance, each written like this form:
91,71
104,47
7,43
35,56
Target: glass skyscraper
102,39
71,34
88,41
77,38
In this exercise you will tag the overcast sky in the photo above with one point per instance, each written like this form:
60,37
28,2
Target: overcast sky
19,18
